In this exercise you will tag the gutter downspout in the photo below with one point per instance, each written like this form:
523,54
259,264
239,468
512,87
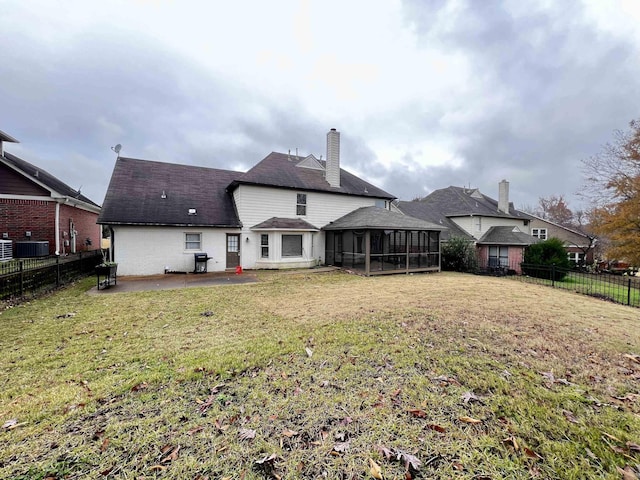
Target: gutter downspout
57,227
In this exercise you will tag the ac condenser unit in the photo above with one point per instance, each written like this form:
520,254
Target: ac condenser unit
6,250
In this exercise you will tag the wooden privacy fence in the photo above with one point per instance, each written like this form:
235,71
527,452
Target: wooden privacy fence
22,277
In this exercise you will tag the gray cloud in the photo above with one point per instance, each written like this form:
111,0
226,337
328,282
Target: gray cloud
546,90
563,85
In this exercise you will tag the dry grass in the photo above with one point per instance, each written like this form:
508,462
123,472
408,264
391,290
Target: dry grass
146,386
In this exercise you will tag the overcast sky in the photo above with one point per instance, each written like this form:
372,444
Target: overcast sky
426,94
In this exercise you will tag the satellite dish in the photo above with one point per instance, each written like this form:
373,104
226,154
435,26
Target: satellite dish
117,148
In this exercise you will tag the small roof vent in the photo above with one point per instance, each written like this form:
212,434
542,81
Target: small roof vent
193,211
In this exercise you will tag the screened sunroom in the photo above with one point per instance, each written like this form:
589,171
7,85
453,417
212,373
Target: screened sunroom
376,241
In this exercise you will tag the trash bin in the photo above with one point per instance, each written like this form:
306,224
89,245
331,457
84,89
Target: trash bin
201,260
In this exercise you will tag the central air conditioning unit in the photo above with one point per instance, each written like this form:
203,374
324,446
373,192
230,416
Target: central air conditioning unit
6,250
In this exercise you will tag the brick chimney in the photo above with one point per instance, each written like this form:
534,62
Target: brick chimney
332,170
503,196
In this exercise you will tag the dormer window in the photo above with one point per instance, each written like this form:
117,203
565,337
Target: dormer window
301,204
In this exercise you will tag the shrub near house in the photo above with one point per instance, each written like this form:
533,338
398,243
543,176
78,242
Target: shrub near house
547,259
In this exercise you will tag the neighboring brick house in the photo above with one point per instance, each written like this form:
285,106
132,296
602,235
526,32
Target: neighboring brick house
35,206
580,246
500,232
282,213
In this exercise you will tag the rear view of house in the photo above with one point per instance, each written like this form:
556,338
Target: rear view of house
164,216
41,215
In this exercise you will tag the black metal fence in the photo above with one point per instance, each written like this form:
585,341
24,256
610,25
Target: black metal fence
26,277
616,288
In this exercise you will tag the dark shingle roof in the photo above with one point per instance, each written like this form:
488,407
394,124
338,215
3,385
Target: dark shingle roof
459,201
134,196
281,170
276,223
425,212
440,205
380,218
506,236
45,178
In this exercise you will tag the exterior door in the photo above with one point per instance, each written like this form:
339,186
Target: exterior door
233,250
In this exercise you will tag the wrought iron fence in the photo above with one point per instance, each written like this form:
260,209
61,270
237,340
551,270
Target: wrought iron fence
616,288
22,277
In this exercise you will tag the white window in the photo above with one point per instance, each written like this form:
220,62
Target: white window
540,233
478,223
192,241
291,245
264,245
301,204
576,257
498,256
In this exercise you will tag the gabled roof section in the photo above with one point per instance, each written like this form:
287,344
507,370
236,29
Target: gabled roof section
311,162
280,170
380,218
506,236
425,211
143,192
278,223
44,179
459,201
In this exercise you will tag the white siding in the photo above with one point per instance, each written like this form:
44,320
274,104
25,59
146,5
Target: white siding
149,250
469,224
256,204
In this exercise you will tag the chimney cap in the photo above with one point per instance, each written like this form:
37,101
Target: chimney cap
333,129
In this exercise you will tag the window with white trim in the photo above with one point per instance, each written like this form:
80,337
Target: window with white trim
576,257
264,245
192,241
498,256
301,204
478,223
540,233
291,245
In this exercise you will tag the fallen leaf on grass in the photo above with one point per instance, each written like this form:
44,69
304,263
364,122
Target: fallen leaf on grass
632,356
374,469
417,412
173,455
530,453
385,452
309,352
289,433
630,397
139,386
195,430
246,434
633,447
341,447
157,468
627,473
410,461
470,397
570,416
104,445
512,442
437,428
472,421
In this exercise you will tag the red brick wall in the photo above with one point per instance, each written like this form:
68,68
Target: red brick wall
18,216
84,223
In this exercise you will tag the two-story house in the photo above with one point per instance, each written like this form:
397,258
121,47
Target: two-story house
162,215
500,232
